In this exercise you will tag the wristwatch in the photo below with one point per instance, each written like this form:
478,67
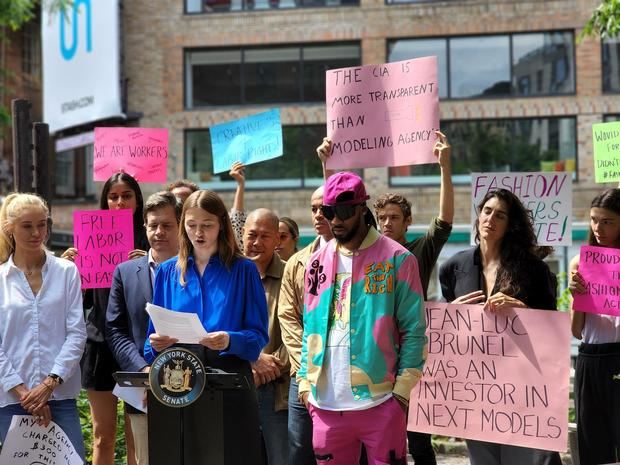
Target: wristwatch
57,379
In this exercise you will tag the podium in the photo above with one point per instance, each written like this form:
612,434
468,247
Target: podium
192,434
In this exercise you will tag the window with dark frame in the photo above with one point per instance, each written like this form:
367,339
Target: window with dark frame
263,75
611,65
298,167
504,65
73,171
525,144
224,6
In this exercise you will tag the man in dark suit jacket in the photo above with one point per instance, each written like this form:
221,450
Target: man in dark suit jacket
132,288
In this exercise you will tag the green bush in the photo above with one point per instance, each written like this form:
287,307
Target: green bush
120,452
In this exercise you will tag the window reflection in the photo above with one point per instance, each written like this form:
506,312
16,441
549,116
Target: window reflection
611,65
220,6
528,144
416,48
543,58
263,75
479,66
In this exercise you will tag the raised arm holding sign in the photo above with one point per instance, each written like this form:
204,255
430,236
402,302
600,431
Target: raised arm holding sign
140,152
247,140
383,115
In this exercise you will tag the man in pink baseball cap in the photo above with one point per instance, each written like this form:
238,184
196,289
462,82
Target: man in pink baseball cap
363,343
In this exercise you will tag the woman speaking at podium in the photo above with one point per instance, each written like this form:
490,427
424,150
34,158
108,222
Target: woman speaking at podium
210,277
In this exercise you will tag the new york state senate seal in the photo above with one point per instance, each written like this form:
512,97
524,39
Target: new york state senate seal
177,377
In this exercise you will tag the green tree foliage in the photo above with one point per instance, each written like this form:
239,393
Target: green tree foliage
13,15
604,22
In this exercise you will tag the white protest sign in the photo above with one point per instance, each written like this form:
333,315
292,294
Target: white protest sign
549,196
27,443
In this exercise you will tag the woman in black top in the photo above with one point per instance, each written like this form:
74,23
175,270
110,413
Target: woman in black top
121,191
504,270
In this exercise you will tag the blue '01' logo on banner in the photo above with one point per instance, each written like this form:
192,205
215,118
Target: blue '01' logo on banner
69,52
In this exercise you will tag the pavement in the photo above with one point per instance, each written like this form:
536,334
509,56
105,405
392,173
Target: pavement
452,460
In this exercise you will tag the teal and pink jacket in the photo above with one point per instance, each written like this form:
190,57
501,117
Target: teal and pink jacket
387,323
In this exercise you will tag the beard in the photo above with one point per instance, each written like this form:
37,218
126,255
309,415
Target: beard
344,236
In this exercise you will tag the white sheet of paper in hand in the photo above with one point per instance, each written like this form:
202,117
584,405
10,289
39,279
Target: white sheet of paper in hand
25,444
134,396
186,327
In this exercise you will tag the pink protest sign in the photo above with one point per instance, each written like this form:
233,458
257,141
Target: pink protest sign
600,268
498,377
103,239
140,152
383,115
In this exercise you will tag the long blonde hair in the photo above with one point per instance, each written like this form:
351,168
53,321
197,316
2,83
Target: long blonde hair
227,249
12,207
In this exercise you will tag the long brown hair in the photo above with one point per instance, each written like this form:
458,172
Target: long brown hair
227,249
519,245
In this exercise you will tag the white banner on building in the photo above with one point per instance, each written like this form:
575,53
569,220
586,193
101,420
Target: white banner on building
81,63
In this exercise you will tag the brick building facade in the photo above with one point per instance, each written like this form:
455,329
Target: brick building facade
171,47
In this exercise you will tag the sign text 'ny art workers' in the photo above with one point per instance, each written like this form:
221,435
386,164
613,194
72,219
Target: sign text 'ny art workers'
140,152
248,140
103,239
600,268
548,195
383,115
499,377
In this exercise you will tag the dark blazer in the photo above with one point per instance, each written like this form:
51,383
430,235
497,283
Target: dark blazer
462,274
126,317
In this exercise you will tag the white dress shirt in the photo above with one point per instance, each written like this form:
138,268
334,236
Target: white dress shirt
41,334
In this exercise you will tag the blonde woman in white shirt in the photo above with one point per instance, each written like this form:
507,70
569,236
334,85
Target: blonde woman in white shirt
42,331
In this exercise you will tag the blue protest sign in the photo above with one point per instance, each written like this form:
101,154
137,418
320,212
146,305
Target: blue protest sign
248,140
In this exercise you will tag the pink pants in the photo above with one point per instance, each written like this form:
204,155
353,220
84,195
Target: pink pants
337,436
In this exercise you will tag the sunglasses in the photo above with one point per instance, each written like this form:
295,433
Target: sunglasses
343,211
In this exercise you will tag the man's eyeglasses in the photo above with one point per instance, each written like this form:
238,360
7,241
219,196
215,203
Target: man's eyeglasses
343,211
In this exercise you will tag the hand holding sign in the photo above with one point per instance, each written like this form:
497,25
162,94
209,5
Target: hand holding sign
498,377
140,152
599,277
103,239
247,140
383,115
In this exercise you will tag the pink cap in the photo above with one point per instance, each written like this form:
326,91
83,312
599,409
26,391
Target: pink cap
342,182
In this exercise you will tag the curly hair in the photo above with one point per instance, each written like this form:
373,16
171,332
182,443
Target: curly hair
519,245
609,200
396,199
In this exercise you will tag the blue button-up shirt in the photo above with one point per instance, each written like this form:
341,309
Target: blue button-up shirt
41,334
231,300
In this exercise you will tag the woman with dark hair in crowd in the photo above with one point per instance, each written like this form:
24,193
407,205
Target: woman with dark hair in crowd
596,388
289,237
120,191
42,331
504,270
211,278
